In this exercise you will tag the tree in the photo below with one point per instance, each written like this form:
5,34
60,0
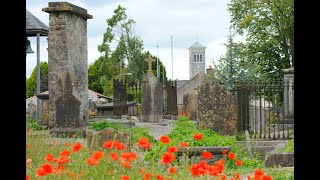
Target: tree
31,82
268,28
127,56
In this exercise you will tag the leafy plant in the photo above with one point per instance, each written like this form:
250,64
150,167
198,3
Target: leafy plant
33,124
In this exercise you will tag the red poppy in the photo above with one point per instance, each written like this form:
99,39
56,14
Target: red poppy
97,155
40,172
27,177
167,158
143,142
73,136
66,144
159,177
266,177
92,161
238,162
212,170
54,142
236,176
142,170
231,155
65,153
28,161
47,168
147,176
197,136
108,144
206,155
49,157
76,147
184,144
172,170
29,146
125,156
125,164
124,177
224,151
172,149
258,172
113,156
120,146
165,139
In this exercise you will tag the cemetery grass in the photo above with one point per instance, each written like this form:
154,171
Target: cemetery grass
40,144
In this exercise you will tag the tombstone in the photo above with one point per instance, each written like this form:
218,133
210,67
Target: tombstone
67,68
152,97
288,95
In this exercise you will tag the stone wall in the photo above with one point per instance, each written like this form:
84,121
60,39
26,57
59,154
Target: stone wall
189,87
217,108
189,106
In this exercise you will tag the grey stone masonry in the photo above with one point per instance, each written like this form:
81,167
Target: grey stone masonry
152,97
289,95
67,68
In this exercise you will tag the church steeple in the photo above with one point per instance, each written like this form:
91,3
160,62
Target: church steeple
196,59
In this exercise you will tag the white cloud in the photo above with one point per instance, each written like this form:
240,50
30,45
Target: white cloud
205,21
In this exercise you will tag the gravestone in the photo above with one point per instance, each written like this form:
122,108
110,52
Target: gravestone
67,68
152,97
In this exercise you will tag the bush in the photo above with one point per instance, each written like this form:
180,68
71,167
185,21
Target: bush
33,125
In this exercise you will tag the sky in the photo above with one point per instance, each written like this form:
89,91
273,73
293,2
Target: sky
187,21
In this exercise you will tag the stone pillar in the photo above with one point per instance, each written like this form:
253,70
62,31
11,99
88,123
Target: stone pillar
152,97
67,68
288,95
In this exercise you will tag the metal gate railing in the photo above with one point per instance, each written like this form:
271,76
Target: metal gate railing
261,110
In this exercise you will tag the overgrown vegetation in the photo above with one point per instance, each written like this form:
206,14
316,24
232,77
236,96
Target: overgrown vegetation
33,125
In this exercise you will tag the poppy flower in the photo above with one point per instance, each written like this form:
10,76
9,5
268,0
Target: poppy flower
212,170
29,146
266,177
27,177
236,176
66,144
172,149
54,142
120,146
124,177
258,172
147,176
206,155
108,144
142,170
159,177
184,144
165,139
92,161
40,172
143,142
125,156
49,157
125,164
28,161
224,151
76,147
238,162
167,158
97,155
65,153
73,136
47,168
198,136
231,155
113,156
172,170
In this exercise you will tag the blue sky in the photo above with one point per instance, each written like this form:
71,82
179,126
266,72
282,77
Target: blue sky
188,21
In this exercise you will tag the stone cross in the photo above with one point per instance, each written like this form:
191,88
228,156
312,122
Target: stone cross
150,60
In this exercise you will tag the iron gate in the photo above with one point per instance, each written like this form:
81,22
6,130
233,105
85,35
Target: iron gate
261,110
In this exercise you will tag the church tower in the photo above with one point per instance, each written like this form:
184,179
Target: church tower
196,59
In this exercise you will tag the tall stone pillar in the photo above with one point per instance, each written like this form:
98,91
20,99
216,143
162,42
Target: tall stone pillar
288,95
67,68
152,97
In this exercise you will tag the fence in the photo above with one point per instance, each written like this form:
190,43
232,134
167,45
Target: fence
261,109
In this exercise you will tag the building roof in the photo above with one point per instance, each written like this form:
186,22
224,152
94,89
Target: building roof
197,45
34,26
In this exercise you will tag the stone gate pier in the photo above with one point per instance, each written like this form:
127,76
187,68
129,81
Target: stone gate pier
67,68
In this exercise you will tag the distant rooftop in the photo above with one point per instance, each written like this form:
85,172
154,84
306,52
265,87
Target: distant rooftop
34,26
197,45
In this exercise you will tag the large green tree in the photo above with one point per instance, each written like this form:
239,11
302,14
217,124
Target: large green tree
269,37
31,82
126,56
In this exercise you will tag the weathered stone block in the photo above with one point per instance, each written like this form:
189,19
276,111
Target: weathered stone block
217,108
278,158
